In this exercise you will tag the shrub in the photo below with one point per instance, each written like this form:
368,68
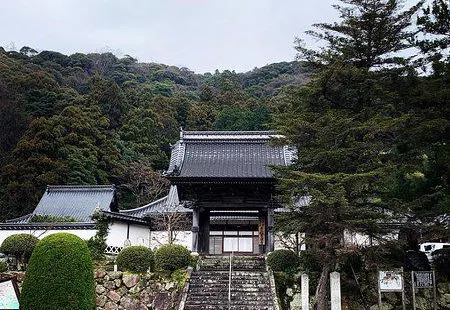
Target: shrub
97,244
283,260
135,259
20,245
441,262
59,275
3,266
170,257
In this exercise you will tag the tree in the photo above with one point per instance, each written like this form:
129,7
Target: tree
434,39
347,125
368,34
70,148
145,184
171,221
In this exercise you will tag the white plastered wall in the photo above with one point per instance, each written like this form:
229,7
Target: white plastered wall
142,235
137,234
159,238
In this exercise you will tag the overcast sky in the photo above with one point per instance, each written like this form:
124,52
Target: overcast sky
202,35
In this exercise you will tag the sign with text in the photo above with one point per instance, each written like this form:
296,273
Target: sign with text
390,281
9,299
423,279
262,231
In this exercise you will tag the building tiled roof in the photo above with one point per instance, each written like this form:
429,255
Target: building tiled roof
227,154
78,202
20,220
169,203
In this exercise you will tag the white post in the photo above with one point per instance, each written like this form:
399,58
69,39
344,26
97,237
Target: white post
335,284
305,292
229,281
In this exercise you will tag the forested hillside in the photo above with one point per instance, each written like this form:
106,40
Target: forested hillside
99,119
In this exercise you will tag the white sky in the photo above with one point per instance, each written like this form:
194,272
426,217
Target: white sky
202,35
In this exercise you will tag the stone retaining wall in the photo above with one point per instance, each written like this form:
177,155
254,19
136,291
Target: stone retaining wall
120,291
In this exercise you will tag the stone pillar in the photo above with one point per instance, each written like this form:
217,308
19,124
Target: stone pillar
270,233
335,288
195,229
305,292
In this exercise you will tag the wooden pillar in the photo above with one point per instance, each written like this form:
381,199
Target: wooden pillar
205,231
262,231
195,229
270,233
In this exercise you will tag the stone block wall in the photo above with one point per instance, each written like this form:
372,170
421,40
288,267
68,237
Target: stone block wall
118,290
123,291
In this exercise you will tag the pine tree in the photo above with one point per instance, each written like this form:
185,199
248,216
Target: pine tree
346,124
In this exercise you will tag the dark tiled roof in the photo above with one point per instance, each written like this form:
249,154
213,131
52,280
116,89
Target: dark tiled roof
20,220
78,202
169,203
227,154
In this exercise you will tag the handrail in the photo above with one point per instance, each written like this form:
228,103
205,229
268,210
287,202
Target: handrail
229,281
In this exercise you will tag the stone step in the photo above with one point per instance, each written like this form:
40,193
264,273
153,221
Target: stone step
219,297
238,263
225,307
198,290
250,285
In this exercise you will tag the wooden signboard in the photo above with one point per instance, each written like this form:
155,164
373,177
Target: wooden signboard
9,295
391,281
423,279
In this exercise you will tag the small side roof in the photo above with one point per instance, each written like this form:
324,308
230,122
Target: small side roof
77,201
169,203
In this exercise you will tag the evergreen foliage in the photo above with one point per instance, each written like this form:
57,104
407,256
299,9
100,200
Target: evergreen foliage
283,260
369,137
88,118
59,275
136,258
19,245
97,244
171,257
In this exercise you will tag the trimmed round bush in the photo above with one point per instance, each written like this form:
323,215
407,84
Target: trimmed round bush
59,275
283,260
20,245
135,259
171,257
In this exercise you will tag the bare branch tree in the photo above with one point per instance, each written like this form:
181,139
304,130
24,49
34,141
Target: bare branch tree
144,183
172,222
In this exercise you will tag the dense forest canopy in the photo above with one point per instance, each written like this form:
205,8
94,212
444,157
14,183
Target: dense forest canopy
99,119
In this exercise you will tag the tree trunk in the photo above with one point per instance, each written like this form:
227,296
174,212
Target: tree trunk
321,299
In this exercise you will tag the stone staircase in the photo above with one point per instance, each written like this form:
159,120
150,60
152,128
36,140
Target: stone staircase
250,284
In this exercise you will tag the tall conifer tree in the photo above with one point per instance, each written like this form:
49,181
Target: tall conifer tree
346,126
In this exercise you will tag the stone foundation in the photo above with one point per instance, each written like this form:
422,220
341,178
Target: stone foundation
118,290
123,291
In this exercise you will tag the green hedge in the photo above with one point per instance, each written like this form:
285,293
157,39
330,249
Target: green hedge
59,275
171,257
283,260
135,259
20,245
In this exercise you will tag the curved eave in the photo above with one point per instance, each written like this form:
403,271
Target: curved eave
206,180
125,218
